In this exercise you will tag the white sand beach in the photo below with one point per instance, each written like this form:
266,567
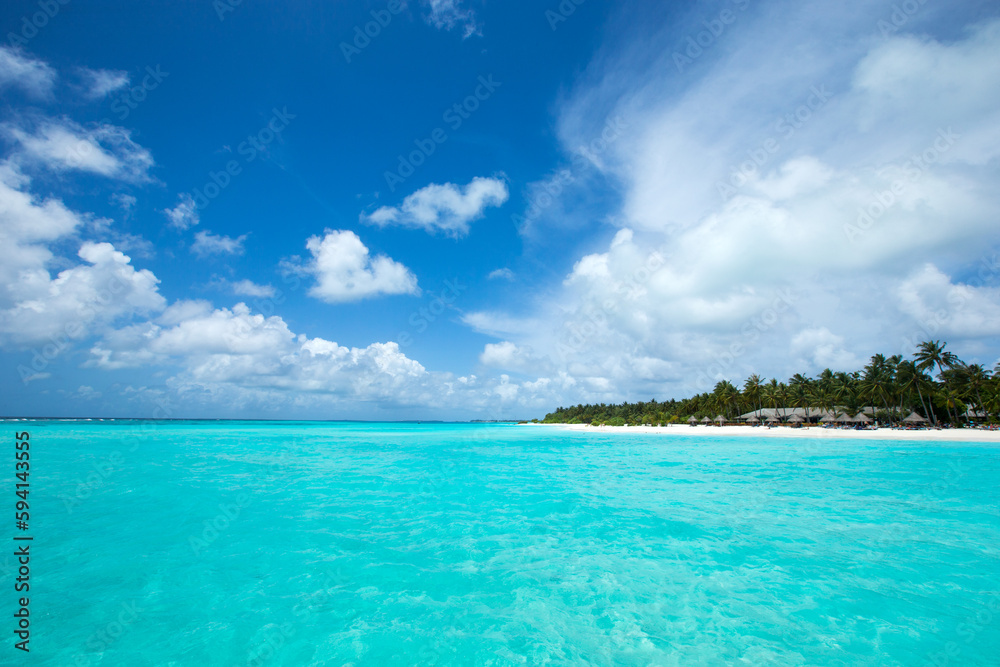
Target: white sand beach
943,435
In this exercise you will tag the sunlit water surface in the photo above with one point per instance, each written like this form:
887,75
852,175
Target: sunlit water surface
257,543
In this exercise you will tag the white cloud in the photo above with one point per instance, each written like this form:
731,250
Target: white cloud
233,359
207,243
501,274
821,348
948,309
185,214
27,224
64,145
32,76
447,208
509,357
448,14
79,300
250,288
124,201
345,271
807,263
102,82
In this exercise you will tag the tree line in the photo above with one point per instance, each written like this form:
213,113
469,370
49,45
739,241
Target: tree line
935,384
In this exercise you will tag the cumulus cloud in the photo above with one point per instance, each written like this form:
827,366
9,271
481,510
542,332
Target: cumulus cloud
185,214
345,271
509,357
233,358
447,208
64,145
32,76
207,243
773,208
100,83
79,300
27,225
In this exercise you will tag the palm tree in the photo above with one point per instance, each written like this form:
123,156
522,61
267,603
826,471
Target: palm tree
975,378
909,377
752,392
725,396
931,353
877,383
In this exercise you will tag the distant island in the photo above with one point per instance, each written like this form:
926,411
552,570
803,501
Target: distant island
934,387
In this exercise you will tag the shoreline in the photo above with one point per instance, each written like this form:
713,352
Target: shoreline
817,432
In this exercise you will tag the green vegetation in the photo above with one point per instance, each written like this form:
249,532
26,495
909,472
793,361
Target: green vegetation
935,384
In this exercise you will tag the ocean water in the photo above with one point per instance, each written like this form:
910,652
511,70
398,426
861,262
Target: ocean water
262,543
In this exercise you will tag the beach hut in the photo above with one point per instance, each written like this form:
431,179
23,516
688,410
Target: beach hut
692,420
914,418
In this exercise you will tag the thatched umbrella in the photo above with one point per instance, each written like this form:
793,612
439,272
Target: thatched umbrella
843,418
914,418
692,420
771,419
795,419
753,420
861,418
706,420
828,418
720,419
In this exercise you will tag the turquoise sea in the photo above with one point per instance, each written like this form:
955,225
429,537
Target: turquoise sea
304,543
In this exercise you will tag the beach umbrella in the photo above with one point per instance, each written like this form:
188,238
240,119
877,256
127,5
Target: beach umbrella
753,420
720,419
914,418
796,419
706,420
692,420
843,418
771,419
861,418
828,418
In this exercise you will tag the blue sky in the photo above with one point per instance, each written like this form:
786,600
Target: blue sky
484,210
